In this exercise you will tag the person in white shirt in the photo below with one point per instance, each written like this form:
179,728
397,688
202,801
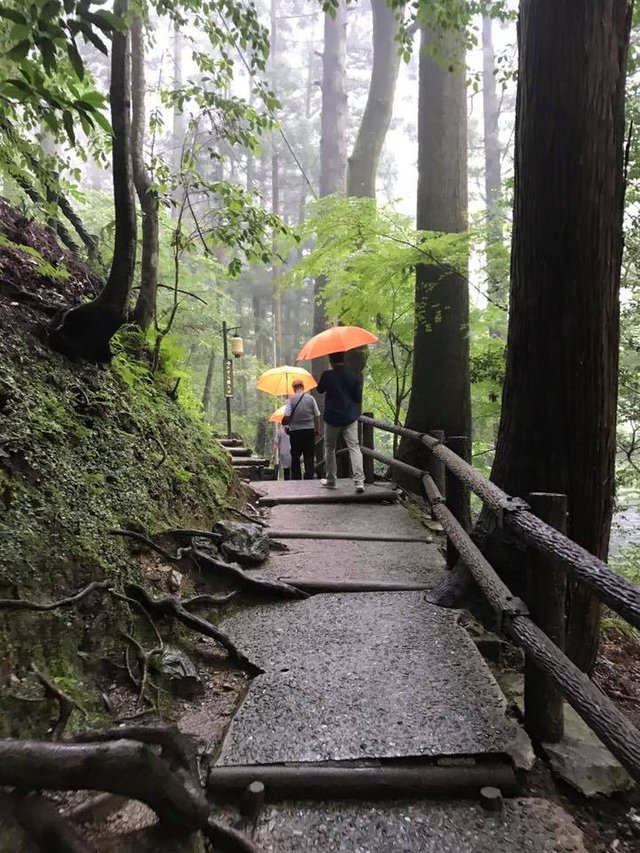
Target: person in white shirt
282,446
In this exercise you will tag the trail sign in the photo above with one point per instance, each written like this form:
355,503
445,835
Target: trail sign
228,377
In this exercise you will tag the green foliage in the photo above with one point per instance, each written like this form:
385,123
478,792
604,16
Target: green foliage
42,265
44,71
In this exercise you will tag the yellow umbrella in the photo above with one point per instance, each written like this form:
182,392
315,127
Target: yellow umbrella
277,381
276,417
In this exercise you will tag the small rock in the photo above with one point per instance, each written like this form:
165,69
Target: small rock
178,669
589,767
175,580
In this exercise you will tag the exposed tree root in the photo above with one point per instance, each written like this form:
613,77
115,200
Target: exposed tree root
118,767
247,583
145,540
209,600
41,821
228,840
22,604
144,661
176,747
66,703
122,762
254,519
175,608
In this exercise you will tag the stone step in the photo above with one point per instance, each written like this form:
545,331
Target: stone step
239,451
248,460
230,442
529,824
365,676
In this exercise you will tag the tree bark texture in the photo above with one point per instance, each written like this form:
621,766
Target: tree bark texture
363,162
440,395
491,112
333,126
208,382
86,330
557,427
145,308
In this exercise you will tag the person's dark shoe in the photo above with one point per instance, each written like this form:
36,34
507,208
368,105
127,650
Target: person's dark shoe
328,484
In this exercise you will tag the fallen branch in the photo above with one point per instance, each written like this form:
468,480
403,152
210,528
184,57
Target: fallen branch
66,704
41,821
277,589
118,767
174,607
22,604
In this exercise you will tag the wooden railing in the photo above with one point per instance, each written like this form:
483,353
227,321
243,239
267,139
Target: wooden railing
538,625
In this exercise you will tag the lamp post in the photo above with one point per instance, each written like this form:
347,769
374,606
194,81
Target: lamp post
237,350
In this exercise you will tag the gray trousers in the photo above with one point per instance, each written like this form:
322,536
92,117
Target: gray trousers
331,436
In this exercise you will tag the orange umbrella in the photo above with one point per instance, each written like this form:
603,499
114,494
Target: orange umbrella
277,381
276,417
335,339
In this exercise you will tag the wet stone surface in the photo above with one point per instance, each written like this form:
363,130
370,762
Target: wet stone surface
357,676
322,559
276,490
530,825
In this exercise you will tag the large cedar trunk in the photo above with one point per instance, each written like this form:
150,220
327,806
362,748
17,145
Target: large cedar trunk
85,331
363,162
440,394
333,128
557,428
145,308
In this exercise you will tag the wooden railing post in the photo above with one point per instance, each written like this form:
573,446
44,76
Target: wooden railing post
546,599
367,440
457,493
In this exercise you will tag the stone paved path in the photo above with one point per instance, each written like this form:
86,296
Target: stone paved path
367,677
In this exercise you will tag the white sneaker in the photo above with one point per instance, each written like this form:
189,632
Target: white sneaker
328,484
359,488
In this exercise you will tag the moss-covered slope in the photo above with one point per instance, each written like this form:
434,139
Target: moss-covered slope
84,449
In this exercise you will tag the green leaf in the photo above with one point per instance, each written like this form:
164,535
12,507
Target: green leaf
48,51
13,15
102,120
76,59
19,51
89,35
50,10
67,121
93,99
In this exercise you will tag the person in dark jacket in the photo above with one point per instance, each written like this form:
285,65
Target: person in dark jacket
343,390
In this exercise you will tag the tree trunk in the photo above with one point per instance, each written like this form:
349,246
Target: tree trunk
492,169
440,396
363,163
179,124
145,308
86,330
557,428
333,126
208,382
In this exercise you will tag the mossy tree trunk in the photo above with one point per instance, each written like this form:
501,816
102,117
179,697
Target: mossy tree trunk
145,308
86,330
